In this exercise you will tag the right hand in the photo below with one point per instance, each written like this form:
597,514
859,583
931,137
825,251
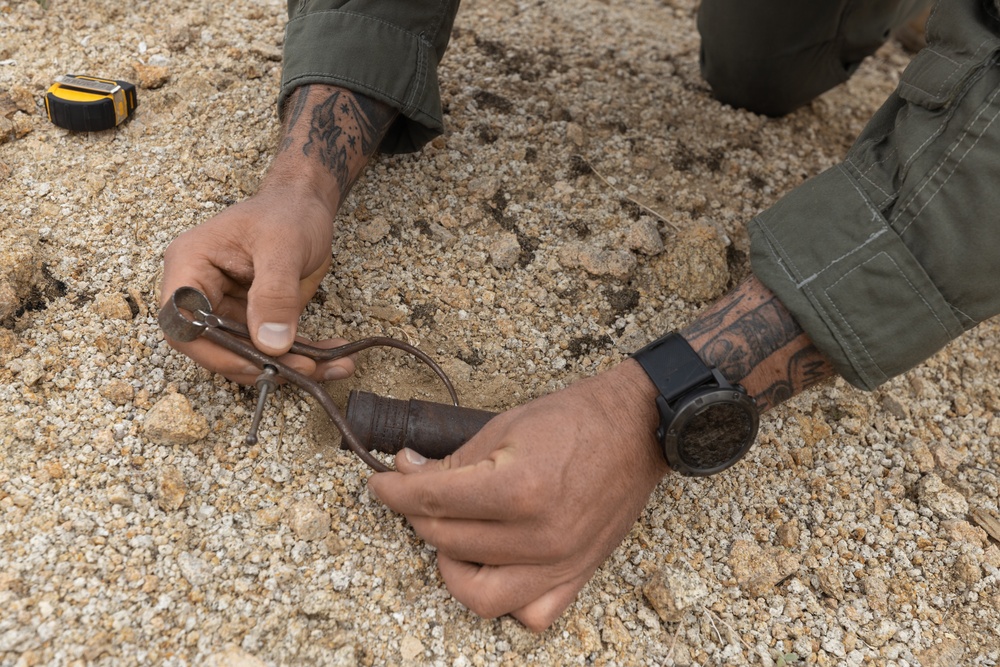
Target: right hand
258,262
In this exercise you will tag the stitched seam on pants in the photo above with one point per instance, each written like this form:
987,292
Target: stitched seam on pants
772,242
908,282
857,366
875,185
876,216
958,68
346,79
966,133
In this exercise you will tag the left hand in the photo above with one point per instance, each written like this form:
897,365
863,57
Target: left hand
525,512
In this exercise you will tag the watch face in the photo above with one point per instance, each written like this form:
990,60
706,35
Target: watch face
711,430
714,435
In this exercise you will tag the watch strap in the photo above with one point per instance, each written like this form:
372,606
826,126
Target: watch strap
673,366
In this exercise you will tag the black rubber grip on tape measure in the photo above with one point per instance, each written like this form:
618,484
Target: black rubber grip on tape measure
90,116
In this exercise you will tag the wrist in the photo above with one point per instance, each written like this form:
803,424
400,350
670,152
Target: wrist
293,174
629,393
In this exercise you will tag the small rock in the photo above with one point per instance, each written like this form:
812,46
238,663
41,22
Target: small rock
194,569
113,307
150,76
575,134
788,534
266,51
22,269
321,604
411,649
269,516
9,346
504,250
696,268
374,231
940,498
172,421
614,633
988,521
29,371
171,489
7,131
672,590
603,262
308,520
216,171
643,236
178,37
757,570
118,391
922,456
878,635
963,531
585,633
9,301
120,495
991,557
948,457
895,407
967,569
946,654
804,457
830,582
440,234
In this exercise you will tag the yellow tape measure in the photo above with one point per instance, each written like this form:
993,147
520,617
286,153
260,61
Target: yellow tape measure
89,104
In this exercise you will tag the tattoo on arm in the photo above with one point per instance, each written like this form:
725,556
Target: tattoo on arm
301,94
343,128
752,339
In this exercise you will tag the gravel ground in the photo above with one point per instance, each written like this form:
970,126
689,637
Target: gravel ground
588,195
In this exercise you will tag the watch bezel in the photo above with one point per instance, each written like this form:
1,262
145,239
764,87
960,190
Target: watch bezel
690,405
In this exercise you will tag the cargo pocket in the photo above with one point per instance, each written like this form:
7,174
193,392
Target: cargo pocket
934,79
891,314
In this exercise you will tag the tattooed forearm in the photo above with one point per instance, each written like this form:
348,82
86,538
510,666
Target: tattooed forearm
806,367
328,135
745,343
753,339
345,127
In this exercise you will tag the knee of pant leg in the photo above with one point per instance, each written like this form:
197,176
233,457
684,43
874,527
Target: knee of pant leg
772,86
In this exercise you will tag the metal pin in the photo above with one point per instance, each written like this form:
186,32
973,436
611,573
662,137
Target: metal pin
265,385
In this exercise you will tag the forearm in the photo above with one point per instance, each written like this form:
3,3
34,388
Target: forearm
753,340
328,135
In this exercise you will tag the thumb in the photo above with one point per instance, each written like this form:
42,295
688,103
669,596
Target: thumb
410,461
273,308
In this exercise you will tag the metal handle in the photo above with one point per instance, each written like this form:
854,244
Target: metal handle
432,429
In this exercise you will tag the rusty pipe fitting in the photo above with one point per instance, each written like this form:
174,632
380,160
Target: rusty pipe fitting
432,429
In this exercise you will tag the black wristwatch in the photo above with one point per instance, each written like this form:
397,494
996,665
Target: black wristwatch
706,423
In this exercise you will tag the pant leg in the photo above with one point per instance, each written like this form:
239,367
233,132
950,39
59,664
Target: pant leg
772,56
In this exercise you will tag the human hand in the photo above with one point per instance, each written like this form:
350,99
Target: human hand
524,513
258,262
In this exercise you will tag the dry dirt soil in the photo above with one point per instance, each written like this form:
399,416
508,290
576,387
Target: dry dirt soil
588,195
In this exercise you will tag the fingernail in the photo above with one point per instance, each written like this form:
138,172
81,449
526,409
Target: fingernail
414,457
275,334
336,373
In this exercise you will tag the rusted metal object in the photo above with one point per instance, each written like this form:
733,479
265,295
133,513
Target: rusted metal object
235,337
433,429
